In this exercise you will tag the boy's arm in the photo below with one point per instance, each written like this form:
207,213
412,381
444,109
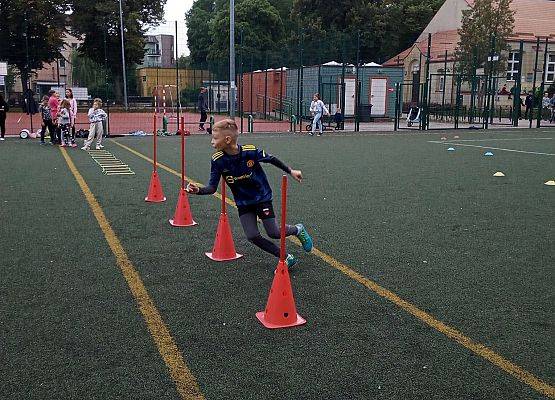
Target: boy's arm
264,157
212,185
270,159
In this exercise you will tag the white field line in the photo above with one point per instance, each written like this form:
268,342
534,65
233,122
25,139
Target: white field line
492,148
507,139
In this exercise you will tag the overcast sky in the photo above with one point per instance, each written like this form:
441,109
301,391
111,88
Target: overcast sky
175,10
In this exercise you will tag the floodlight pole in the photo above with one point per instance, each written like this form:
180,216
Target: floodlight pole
232,58
123,57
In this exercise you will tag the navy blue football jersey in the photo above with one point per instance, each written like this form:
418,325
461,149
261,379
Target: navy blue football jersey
244,174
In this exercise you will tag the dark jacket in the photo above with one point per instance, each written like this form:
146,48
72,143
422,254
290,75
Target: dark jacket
4,108
202,102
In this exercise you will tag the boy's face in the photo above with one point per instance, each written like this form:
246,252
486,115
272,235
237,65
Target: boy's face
95,105
221,139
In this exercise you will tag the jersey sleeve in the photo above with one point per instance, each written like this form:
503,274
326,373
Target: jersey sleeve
212,185
262,156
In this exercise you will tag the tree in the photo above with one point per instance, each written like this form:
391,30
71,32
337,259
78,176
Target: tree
97,23
385,27
487,19
31,33
197,20
260,23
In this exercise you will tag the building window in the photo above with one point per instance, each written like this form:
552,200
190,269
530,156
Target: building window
62,63
440,84
513,64
550,68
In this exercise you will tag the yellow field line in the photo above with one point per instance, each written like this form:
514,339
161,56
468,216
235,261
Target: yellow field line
477,348
186,383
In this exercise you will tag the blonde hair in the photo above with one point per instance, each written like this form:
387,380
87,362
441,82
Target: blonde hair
226,125
98,100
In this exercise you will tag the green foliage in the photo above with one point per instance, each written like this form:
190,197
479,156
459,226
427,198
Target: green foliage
274,29
189,96
198,38
31,33
10,78
97,22
486,19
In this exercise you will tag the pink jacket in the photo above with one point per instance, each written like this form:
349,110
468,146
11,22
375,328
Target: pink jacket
54,106
73,110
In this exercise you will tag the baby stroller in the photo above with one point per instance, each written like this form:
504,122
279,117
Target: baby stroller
413,116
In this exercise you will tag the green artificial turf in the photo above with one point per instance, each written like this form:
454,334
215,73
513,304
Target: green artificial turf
434,227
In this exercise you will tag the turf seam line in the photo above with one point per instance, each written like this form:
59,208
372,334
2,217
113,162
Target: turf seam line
452,333
492,148
184,380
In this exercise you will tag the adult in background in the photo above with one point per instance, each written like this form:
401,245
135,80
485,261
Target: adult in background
203,107
3,110
54,104
529,103
72,114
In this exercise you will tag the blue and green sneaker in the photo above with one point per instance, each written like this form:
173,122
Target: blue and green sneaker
291,261
304,237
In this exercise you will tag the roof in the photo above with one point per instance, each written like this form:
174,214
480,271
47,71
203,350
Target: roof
533,18
441,41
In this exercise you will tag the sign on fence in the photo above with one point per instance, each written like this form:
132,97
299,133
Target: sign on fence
3,68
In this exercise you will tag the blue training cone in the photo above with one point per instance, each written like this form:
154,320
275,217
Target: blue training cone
488,153
451,149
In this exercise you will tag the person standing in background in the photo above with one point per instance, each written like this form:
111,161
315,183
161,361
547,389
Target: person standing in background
72,113
203,107
4,108
54,104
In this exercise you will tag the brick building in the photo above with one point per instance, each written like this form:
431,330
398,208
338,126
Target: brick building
533,19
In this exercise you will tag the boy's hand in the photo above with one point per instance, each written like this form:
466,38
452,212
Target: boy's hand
192,188
297,174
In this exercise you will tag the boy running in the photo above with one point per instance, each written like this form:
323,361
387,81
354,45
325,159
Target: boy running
241,169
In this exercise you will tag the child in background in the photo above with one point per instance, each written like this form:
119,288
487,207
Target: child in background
96,116
241,169
54,104
46,116
338,118
73,114
64,122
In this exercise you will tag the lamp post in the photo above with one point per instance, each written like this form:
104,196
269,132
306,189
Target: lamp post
123,57
232,58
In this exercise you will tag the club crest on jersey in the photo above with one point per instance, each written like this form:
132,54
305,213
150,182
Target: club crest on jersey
266,211
250,163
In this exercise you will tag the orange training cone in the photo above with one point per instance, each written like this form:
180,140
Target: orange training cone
155,193
280,311
182,216
224,248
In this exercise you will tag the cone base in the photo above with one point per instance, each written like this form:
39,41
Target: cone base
155,200
211,256
261,317
173,223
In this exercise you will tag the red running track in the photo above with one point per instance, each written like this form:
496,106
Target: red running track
124,123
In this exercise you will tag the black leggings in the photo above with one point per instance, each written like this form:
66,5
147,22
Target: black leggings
203,116
248,221
48,124
2,126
